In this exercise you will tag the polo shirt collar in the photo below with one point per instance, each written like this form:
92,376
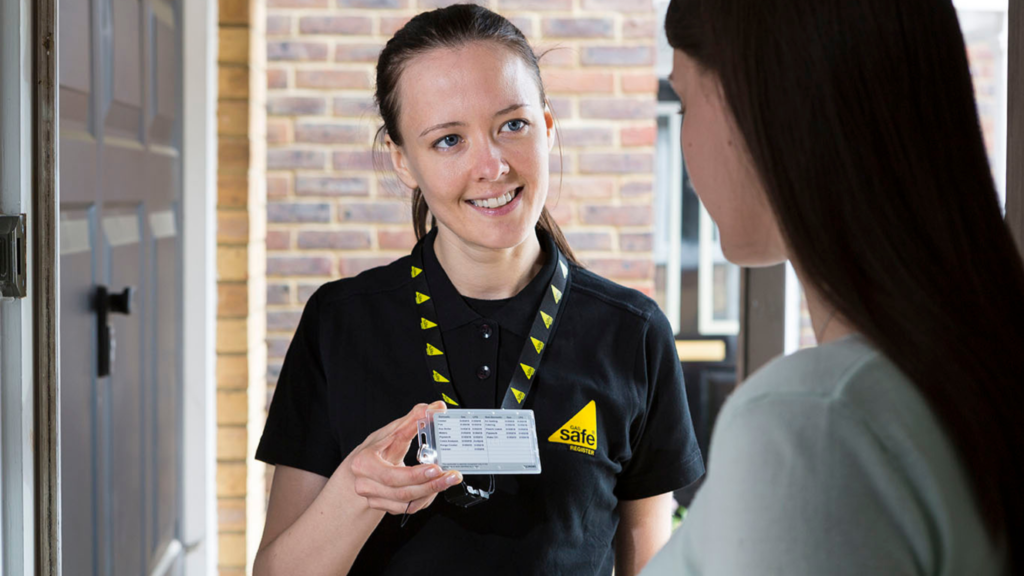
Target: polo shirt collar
516,316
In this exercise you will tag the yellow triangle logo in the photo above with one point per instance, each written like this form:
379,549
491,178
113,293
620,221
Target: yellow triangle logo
519,395
547,319
426,324
432,351
580,432
557,293
537,344
449,400
416,271
438,377
421,298
529,370
565,270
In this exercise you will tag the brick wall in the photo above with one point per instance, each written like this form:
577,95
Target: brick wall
241,285
329,217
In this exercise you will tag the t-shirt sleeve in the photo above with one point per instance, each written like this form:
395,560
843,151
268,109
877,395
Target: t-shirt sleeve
796,485
298,430
665,456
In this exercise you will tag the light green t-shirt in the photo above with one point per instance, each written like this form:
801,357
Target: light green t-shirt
829,461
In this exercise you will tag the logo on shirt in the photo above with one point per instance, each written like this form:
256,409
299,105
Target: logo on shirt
580,432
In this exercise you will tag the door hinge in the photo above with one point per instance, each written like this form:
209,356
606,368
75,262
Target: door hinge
13,266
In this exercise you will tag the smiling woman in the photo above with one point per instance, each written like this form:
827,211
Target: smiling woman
466,319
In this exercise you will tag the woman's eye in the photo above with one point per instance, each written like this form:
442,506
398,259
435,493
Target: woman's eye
515,125
449,141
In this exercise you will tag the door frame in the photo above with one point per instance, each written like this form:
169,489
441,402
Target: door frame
199,216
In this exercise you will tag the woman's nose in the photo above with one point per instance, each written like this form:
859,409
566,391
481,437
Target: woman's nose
490,163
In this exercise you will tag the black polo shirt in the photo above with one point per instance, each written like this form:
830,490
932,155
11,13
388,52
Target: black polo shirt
356,363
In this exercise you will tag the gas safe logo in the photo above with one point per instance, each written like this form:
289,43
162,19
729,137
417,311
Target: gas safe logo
580,432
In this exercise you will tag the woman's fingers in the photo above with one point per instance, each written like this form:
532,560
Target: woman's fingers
396,444
376,491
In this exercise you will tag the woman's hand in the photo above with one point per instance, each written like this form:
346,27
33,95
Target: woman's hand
380,475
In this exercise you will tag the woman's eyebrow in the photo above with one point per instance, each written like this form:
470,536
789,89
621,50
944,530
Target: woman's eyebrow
508,109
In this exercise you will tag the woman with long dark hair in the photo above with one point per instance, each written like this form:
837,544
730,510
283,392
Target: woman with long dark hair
489,311
844,137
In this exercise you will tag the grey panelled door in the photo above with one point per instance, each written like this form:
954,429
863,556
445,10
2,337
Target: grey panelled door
120,281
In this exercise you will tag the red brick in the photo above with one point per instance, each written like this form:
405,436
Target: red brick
277,78
283,321
335,25
634,269
525,24
279,293
619,5
612,163
557,55
561,108
330,133
278,185
306,185
578,28
589,240
538,5
305,291
389,24
279,131
636,242
634,189
559,164
586,137
616,215
279,239
296,106
355,160
354,107
575,187
639,28
617,56
357,52
618,108
295,51
334,239
639,83
297,3
333,79
396,239
352,266
638,136
283,158
557,81
298,212
278,25
386,4
562,212
298,266
374,212
431,4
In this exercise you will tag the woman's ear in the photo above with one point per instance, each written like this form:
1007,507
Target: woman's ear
549,122
400,163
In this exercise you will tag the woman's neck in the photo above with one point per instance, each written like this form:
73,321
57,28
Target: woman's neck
487,274
827,323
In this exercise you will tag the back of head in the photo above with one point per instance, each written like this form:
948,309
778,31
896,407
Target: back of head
861,123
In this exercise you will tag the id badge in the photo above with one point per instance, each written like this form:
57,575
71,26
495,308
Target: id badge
480,441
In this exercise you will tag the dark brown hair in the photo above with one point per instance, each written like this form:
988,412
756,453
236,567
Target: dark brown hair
861,122
449,27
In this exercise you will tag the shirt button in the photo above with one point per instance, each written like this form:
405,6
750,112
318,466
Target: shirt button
483,372
485,331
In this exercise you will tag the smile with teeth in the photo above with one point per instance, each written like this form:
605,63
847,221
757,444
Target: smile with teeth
497,202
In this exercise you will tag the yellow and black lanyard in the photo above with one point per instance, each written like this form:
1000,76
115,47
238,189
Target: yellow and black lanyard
541,334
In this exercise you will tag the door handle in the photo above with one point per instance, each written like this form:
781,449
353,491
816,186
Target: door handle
107,304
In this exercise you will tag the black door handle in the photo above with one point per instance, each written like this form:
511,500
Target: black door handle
106,304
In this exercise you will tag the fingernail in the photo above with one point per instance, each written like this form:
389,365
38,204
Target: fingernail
454,479
433,471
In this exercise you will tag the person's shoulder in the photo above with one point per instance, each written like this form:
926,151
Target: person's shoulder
602,293
378,281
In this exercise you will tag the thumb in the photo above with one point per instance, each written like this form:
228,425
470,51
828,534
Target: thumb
397,443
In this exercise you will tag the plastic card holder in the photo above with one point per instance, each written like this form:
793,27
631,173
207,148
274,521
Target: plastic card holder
480,441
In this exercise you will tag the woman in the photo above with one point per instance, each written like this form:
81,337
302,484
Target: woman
468,130
844,137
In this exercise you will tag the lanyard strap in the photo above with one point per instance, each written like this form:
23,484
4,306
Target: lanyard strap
541,334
